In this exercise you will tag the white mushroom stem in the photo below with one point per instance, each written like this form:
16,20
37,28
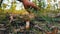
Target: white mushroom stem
27,24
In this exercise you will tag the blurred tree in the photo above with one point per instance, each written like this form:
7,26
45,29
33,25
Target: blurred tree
0,2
